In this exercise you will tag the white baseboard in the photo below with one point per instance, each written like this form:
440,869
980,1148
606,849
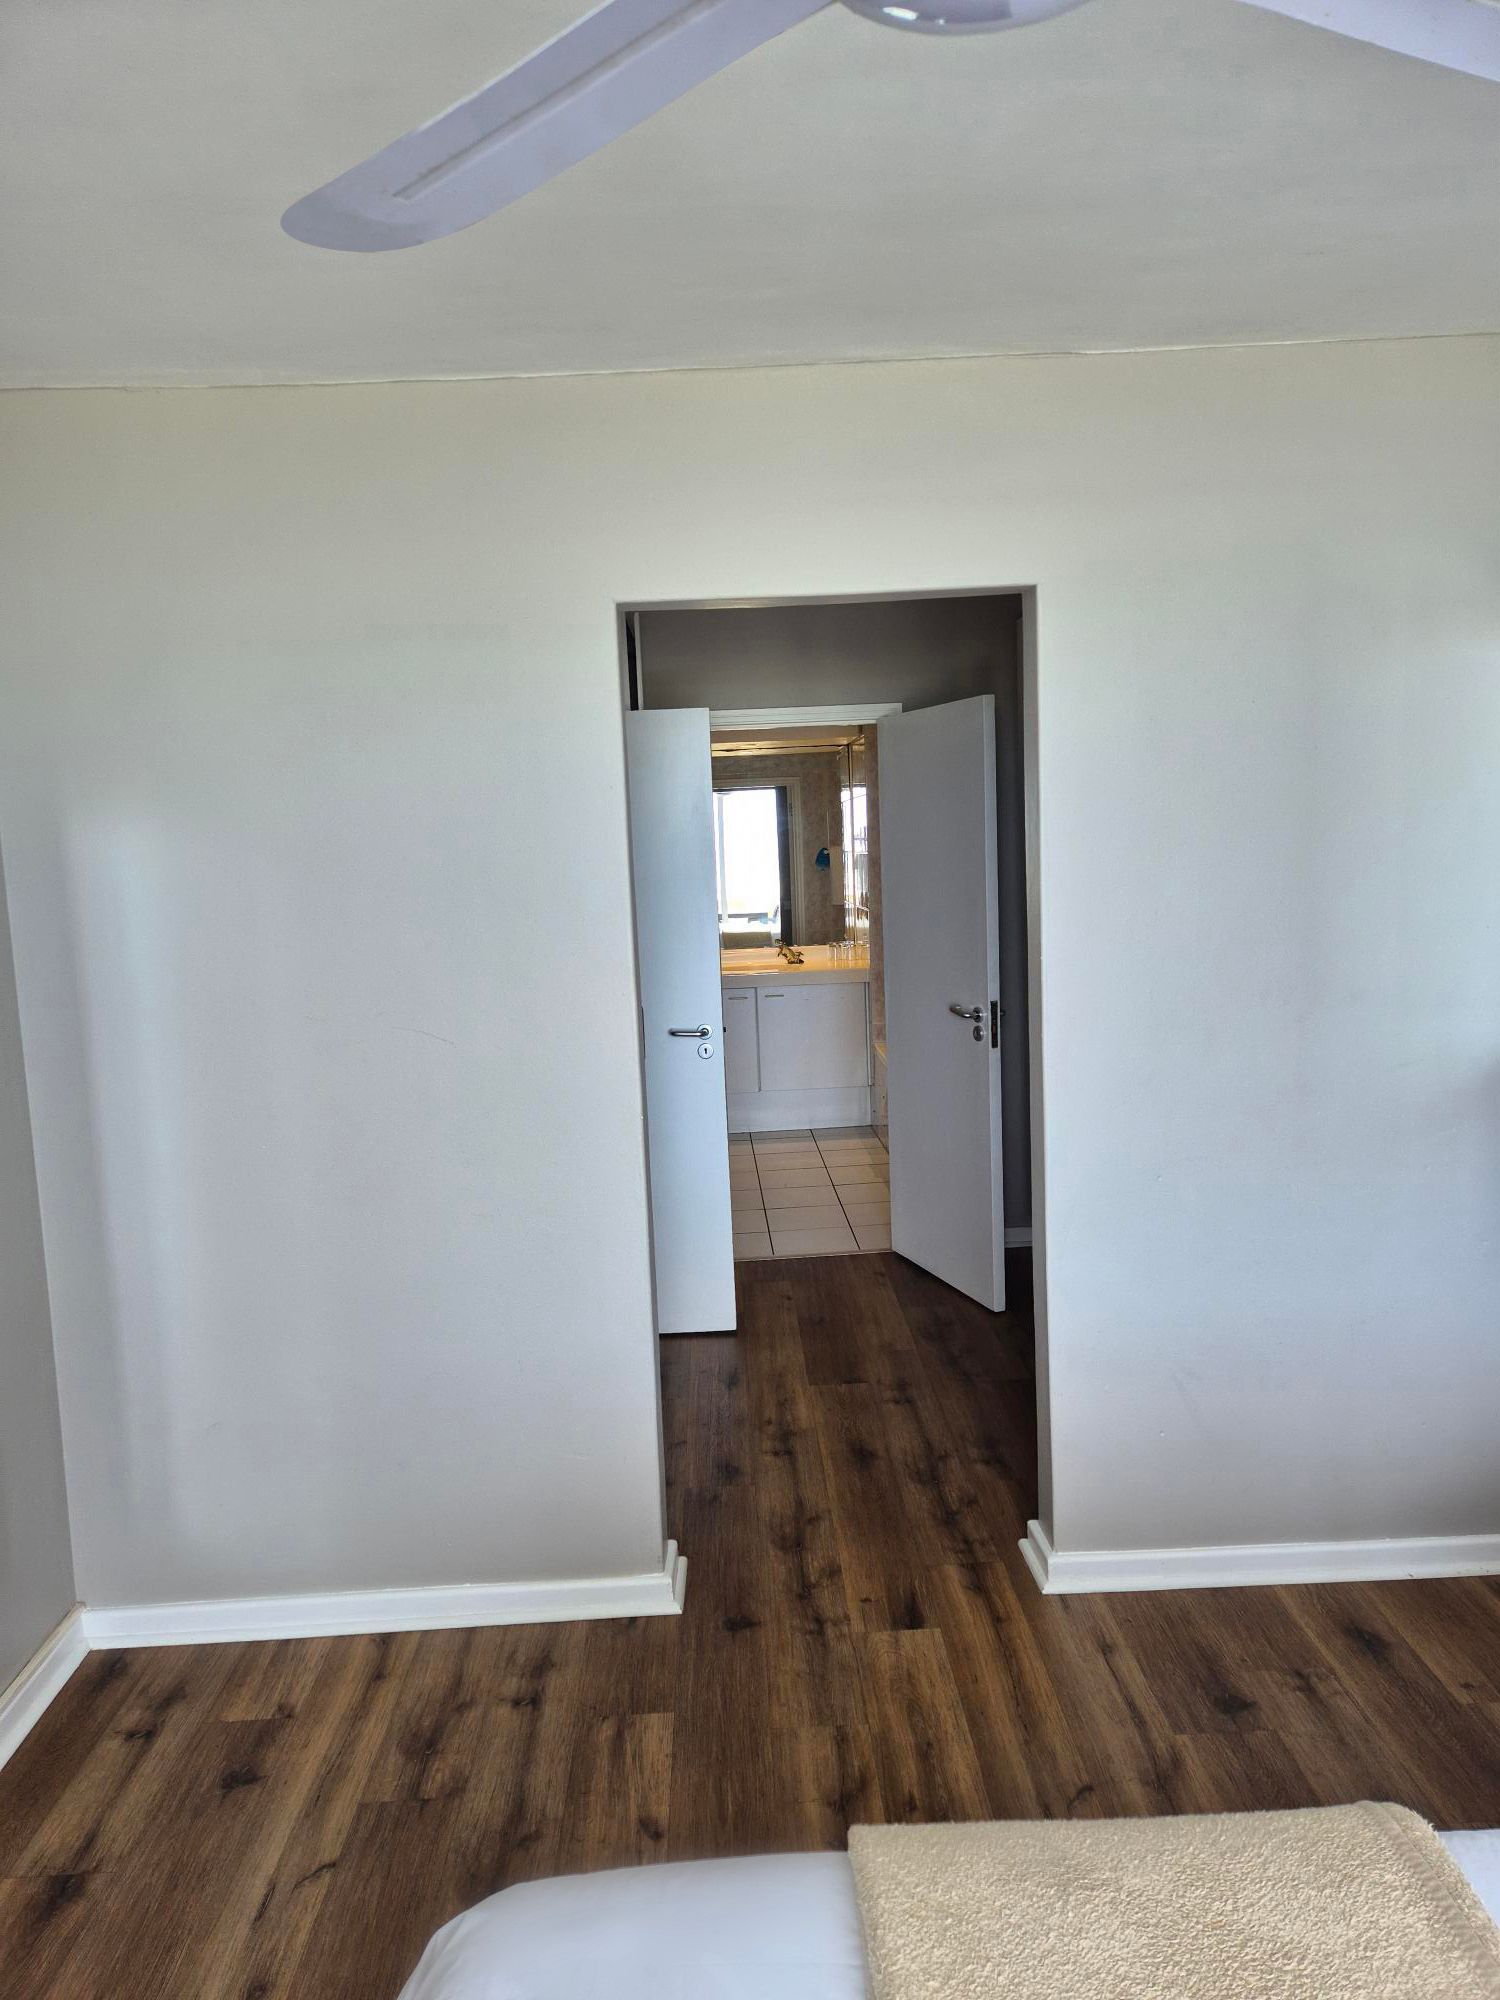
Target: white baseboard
1083,1571
343,1613
42,1678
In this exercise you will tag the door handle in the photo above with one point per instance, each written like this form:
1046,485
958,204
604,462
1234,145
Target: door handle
690,1034
975,1014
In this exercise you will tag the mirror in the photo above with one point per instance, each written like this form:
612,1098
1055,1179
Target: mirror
752,860
791,843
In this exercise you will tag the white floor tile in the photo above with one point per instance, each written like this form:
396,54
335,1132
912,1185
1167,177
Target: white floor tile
829,1216
819,1194
804,1194
809,1197
812,1242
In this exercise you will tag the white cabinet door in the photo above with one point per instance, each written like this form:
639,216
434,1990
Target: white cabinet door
741,1056
814,1038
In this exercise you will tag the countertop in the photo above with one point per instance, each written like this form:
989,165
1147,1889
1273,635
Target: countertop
763,966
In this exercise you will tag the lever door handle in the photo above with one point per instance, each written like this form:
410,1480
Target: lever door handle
975,1014
690,1034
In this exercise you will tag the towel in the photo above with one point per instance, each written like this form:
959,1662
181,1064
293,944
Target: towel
1337,1903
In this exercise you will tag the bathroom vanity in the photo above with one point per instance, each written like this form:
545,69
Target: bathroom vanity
796,1039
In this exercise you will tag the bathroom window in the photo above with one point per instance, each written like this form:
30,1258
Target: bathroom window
752,861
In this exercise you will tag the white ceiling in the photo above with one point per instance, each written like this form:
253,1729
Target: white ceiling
1136,173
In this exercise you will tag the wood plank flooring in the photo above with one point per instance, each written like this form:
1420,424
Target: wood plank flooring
849,1478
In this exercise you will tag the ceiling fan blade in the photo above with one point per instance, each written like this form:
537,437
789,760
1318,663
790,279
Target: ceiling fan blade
606,73
1458,34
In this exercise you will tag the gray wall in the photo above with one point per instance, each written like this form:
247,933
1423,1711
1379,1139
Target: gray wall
915,651
36,1558
919,652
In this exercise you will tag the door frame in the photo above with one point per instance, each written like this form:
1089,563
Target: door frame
632,681
852,712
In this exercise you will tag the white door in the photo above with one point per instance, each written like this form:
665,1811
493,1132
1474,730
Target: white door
939,893
677,943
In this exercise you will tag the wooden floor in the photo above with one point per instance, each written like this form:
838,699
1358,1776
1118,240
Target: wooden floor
861,1642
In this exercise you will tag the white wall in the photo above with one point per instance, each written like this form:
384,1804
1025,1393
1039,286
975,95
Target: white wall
313,802
36,1558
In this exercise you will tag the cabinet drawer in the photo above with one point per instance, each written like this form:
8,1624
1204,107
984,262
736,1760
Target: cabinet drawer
813,1038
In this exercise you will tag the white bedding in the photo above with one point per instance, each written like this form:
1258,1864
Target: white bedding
782,1927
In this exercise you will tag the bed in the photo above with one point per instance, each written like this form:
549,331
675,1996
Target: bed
779,1927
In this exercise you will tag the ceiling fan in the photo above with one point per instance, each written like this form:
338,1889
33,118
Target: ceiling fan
629,58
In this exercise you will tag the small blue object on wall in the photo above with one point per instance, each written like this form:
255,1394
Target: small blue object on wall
822,860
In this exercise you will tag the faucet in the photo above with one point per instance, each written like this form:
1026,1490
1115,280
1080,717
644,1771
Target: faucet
790,953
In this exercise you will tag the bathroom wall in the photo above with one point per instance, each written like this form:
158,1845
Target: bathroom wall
871,762
855,853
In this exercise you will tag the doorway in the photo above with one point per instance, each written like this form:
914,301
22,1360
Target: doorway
861,935
803,1000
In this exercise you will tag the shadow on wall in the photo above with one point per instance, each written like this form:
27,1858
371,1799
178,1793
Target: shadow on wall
36,1556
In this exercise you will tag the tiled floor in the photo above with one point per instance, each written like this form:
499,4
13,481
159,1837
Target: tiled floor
809,1194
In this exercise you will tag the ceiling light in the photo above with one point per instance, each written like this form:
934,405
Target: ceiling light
960,17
